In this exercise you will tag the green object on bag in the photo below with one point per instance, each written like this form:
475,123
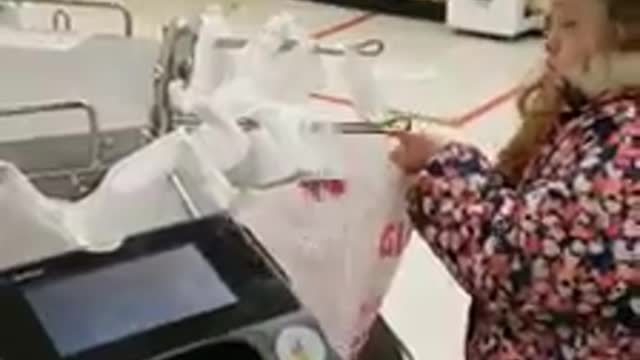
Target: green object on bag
404,120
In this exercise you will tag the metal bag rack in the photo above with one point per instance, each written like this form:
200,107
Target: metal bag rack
175,62
61,17
70,180
70,165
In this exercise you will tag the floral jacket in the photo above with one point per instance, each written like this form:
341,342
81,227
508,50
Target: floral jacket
553,265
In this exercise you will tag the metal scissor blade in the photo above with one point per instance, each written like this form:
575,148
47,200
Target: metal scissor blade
349,128
360,128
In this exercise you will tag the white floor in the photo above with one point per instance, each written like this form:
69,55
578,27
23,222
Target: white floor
427,68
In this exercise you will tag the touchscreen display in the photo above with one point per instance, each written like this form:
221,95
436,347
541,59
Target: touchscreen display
84,311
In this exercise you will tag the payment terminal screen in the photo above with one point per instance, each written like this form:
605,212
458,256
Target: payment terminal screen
97,308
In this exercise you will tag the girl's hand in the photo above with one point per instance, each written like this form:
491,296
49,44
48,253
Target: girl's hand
414,150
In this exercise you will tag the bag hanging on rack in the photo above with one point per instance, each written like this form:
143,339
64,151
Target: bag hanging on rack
282,64
212,66
144,192
339,235
32,225
341,242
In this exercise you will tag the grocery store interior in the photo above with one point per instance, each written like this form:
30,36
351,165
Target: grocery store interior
460,61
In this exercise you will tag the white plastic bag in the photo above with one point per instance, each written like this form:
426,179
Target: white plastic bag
266,164
140,193
219,138
278,67
278,73
306,146
340,241
282,63
368,100
212,67
286,145
340,234
32,226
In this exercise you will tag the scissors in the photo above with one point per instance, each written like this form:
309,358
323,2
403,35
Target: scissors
397,121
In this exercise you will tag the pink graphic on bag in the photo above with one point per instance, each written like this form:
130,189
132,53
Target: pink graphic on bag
323,189
340,238
393,240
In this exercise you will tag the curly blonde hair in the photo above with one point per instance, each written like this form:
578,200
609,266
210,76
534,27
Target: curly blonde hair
540,104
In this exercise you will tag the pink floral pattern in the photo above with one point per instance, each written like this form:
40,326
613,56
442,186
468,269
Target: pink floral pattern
553,264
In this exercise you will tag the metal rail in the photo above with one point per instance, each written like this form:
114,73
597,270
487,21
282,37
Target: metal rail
127,17
65,17
367,48
169,68
95,149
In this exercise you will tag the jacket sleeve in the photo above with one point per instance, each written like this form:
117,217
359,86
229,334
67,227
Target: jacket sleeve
563,247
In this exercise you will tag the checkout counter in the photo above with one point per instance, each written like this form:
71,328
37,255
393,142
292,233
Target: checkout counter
200,290
203,289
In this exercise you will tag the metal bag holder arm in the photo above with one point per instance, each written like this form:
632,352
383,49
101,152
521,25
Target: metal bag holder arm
176,62
61,14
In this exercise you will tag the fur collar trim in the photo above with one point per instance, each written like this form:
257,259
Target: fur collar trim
612,72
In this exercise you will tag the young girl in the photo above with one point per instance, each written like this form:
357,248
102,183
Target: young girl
548,241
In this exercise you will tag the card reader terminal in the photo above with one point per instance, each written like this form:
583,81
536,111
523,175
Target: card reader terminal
202,290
